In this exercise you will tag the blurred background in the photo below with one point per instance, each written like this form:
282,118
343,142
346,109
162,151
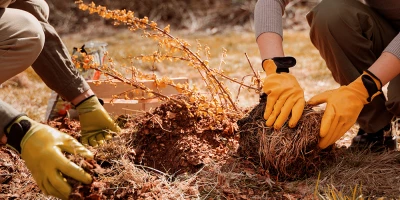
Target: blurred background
222,24
192,15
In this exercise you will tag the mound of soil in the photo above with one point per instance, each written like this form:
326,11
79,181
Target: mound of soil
288,153
175,140
169,141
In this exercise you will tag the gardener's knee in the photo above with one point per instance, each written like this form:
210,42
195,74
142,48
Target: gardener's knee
330,17
41,10
21,39
38,8
29,35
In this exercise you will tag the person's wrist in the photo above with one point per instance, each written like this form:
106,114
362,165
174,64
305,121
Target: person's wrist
282,64
83,96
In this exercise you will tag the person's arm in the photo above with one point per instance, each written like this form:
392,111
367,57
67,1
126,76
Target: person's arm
268,27
388,64
270,45
285,96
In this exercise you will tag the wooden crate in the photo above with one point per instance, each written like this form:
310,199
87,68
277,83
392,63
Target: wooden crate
105,91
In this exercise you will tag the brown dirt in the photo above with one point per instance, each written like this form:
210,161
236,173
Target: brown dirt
174,140
16,181
168,155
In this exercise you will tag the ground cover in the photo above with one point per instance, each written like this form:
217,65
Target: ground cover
165,154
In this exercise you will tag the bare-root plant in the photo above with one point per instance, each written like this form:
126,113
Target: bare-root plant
218,101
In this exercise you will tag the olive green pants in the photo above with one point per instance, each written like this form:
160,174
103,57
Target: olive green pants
350,36
27,39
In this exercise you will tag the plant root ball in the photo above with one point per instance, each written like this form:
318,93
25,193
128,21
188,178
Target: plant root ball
288,153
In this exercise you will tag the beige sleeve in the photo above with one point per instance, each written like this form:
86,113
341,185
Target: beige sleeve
394,46
5,3
268,16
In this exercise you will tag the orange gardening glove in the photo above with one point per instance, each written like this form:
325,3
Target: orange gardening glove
285,95
344,105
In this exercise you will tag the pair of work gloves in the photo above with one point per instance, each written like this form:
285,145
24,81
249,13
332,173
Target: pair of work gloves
344,104
42,147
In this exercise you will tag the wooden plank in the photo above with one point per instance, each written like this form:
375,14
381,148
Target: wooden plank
120,108
106,90
132,107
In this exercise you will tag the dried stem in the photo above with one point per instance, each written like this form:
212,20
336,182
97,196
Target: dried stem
139,86
135,23
256,75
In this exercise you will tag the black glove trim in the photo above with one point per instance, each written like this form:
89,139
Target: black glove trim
84,100
370,85
17,132
101,101
375,77
11,122
283,63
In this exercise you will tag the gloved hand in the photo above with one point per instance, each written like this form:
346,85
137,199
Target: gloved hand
285,95
344,105
96,125
41,148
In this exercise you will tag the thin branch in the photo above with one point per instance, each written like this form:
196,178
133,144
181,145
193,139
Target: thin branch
255,73
139,86
233,80
240,87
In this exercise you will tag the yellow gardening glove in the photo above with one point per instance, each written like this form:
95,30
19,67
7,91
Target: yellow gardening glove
285,95
42,148
96,125
344,105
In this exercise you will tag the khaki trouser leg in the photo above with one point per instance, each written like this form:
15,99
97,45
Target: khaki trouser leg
350,36
21,40
54,64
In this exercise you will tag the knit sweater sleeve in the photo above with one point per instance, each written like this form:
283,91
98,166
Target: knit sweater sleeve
268,16
394,46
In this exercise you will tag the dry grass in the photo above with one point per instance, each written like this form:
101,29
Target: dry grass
352,170
27,93
376,173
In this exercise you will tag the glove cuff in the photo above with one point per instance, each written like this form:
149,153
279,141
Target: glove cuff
376,80
372,84
16,131
282,64
368,85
